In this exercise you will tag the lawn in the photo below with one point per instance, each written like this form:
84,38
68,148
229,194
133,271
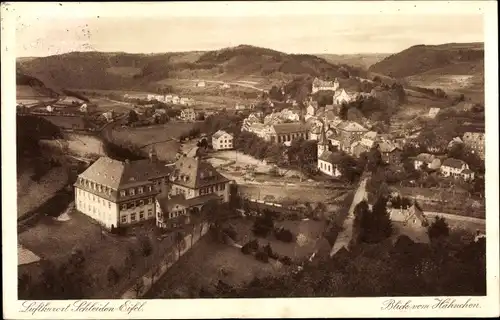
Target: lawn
31,194
306,232
55,240
206,264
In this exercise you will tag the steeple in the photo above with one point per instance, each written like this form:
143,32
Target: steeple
153,157
322,141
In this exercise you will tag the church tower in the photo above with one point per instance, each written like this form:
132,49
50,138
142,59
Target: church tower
153,157
322,141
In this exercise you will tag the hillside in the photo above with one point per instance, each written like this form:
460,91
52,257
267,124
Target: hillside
452,58
98,70
31,88
360,60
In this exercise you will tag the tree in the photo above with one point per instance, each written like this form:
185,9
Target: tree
132,117
112,275
179,240
438,229
138,287
145,245
24,283
374,225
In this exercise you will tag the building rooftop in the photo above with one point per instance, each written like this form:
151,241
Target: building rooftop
219,134
284,128
330,157
454,163
194,173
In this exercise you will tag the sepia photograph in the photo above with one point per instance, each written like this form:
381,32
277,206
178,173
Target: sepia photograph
270,153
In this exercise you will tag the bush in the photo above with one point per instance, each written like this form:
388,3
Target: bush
285,260
250,247
263,225
262,256
283,234
146,246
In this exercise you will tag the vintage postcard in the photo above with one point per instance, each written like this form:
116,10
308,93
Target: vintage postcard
250,159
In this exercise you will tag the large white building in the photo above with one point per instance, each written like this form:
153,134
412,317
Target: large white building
321,85
117,193
221,140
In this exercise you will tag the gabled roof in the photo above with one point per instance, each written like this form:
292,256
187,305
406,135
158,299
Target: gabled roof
118,175
387,147
351,126
219,134
330,157
454,163
425,157
194,173
284,128
372,135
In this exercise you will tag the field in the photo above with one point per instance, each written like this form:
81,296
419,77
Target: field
31,194
55,239
163,137
306,233
206,264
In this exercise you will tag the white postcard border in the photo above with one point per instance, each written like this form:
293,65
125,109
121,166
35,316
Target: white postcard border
239,308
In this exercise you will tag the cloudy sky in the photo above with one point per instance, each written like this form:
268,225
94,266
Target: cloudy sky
292,31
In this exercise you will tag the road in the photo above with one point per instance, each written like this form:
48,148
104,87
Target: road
345,236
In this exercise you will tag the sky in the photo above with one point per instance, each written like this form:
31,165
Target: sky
290,31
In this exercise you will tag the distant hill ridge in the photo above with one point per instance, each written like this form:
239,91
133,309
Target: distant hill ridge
419,59
104,70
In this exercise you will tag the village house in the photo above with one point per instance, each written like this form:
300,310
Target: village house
200,84
457,169
240,107
347,132
222,140
343,96
314,133
188,114
168,98
428,160
185,101
391,153
475,142
176,100
410,222
225,86
287,132
116,193
321,85
328,160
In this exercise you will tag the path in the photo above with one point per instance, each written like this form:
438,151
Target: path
345,236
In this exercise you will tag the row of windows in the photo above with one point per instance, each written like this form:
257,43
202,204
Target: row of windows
91,209
138,190
134,204
133,216
212,189
93,198
324,166
94,186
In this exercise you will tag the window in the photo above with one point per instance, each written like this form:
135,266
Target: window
98,200
132,216
124,219
93,198
131,191
124,206
141,190
150,200
122,193
150,188
141,203
223,187
109,204
141,215
132,204
150,212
